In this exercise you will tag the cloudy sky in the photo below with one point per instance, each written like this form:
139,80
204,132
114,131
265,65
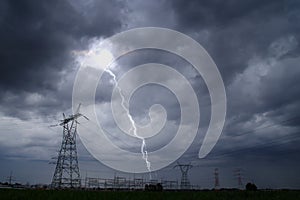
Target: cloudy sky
255,45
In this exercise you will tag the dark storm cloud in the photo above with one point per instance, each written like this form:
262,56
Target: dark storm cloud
221,14
240,30
237,29
37,38
255,45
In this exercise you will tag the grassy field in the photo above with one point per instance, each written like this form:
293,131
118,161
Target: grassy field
124,195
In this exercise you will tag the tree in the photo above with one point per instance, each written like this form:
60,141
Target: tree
251,187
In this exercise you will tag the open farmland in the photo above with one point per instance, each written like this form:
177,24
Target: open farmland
203,195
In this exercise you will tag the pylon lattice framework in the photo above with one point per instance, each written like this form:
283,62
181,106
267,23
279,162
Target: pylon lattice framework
67,174
217,182
184,183
238,174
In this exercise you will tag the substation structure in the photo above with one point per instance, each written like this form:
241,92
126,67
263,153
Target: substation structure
123,183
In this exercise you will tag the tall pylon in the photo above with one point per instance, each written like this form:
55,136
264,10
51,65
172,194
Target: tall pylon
67,174
217,182
238,175
184,183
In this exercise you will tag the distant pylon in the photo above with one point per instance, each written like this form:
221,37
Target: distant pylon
10,178
238,176
185,183
217,182
67,173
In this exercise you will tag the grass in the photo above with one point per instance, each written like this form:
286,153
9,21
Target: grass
124,195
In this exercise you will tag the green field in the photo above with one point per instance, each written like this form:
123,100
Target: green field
123,195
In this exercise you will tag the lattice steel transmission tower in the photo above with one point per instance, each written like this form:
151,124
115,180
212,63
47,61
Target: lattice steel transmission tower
217,182
184,183
10,178
238,175
67,174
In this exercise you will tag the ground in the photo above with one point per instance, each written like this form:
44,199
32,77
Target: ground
165,195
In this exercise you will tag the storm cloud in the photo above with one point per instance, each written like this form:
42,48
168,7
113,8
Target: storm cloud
255,45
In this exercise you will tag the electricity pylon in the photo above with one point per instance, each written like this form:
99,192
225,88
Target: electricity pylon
217,182
67,173
238,175
185,183
10,178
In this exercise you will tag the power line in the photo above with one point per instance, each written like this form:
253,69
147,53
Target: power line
269,144
265,127
121,141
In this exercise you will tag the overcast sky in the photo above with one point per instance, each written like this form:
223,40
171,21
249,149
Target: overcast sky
254,43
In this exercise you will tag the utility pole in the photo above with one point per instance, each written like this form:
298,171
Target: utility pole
185,183
67,174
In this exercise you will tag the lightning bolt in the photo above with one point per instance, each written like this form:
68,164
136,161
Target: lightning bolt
133,126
